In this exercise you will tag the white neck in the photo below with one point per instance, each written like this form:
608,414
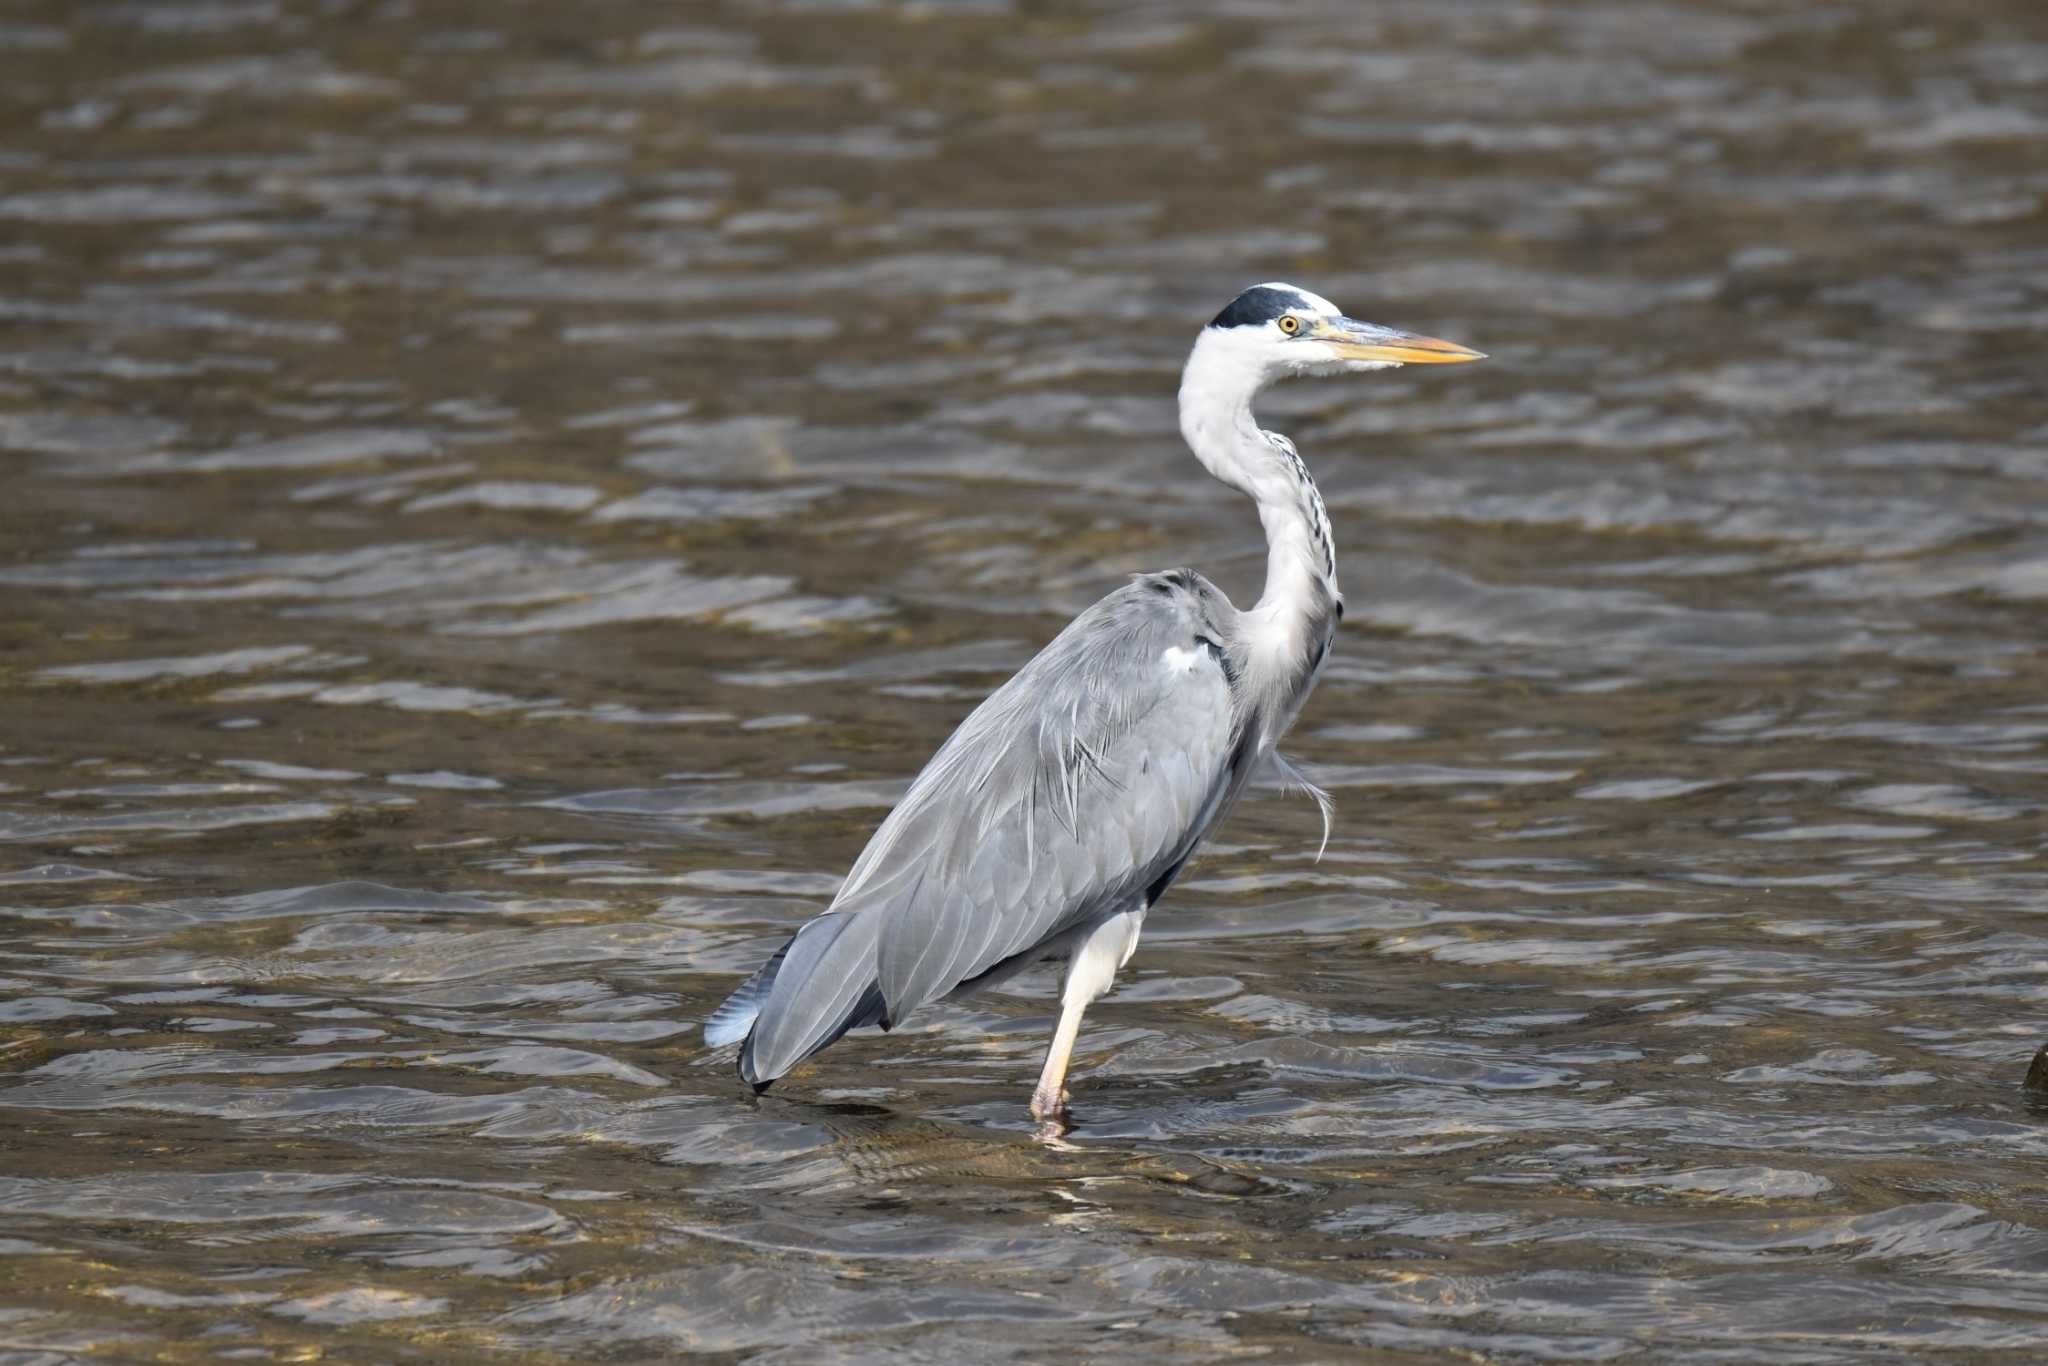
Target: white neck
1285,631
1216,391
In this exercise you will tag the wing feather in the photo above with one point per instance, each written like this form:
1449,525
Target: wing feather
1071,788
1081,784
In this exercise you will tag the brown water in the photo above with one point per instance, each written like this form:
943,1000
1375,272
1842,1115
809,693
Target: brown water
500,499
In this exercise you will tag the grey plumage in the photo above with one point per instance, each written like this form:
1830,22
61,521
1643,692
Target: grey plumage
1081,784
1065,805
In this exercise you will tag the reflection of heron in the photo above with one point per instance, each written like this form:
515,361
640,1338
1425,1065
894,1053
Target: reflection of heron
1068,802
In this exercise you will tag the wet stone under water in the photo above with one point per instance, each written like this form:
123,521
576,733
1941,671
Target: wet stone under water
501,499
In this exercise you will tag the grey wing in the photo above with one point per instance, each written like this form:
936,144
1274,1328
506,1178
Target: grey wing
1083,782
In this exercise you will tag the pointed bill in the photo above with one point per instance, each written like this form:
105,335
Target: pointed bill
1354,340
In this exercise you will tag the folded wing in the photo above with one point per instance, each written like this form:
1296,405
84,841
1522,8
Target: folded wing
1080,785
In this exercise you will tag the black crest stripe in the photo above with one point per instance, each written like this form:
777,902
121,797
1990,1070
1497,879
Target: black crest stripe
1259,305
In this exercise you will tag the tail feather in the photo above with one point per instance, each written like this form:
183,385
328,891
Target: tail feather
870,1010
734,1018
815,988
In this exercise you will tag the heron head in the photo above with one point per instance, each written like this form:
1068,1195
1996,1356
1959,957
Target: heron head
1281,329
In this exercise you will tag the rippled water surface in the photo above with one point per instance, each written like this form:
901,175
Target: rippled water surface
500,498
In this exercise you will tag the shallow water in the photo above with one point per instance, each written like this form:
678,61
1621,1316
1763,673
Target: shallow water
502,498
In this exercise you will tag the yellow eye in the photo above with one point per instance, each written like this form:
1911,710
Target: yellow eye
1290,324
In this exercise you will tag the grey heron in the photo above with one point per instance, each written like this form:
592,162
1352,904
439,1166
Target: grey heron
1066,804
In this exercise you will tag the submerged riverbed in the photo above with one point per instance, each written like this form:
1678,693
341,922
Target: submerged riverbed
500,500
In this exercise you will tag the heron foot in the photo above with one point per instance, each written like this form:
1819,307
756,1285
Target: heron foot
1049,1105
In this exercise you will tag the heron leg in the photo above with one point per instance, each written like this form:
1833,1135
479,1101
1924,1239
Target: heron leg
1098,953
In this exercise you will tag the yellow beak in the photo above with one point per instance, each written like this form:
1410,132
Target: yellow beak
1354,340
